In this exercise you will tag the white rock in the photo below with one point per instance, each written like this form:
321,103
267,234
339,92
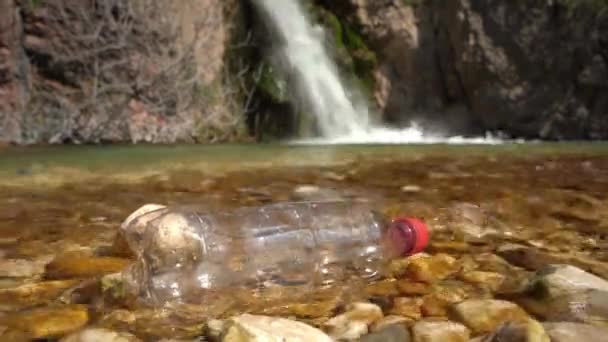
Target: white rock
254,328
578,332
350,331
215,328
427,331
566,279
355,322
99,335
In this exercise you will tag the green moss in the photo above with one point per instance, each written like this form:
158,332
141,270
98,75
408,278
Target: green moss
353,55
35,3
272,85
598,6
412,2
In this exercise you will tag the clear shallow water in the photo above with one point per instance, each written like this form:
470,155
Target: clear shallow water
24,161
74,198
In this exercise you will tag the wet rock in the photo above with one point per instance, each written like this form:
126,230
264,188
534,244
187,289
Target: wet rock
391,320
118,319
397,267
385,288
313,309
100,335
534,259
567,293
530,258
391,333
491,280
469,222
490,262
33,294
567,332
215,328
432,269
48,322
79,265
437,303
252,328
354,322
485,315
20,268
334,176
557,280
448,247
428,331
411,288
530,331
175,322
411,188
407,307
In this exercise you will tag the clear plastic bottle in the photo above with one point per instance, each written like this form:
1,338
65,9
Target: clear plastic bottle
185,254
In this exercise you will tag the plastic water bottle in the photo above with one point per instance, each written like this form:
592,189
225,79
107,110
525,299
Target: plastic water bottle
185,254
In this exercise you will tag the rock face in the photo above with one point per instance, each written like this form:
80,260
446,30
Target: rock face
532,70
151,74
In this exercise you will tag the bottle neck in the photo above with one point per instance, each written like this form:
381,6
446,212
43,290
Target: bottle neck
401,238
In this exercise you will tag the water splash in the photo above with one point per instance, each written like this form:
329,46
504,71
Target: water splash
341,112
411,135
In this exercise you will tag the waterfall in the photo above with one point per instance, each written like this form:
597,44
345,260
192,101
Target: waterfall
304,58
341,111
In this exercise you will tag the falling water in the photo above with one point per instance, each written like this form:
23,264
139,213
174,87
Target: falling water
341,112
307,62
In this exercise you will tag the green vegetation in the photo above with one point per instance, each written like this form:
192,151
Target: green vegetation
353,55
272,84
599,6
412,2
34,3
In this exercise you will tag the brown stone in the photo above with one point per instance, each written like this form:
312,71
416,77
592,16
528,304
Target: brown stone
411,288
483,316
48,322
407,307
491,280
428,331
33,294
432,269
76,265
383,288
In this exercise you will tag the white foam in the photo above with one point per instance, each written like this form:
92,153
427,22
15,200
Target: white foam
410,135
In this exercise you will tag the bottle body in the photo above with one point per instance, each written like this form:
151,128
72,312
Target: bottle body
184,253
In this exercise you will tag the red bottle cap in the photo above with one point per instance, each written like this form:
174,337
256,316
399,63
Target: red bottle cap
410,235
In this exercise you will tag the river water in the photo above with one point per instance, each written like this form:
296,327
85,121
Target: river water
57,200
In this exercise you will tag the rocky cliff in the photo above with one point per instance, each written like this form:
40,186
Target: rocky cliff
157,71
533,69
113,71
